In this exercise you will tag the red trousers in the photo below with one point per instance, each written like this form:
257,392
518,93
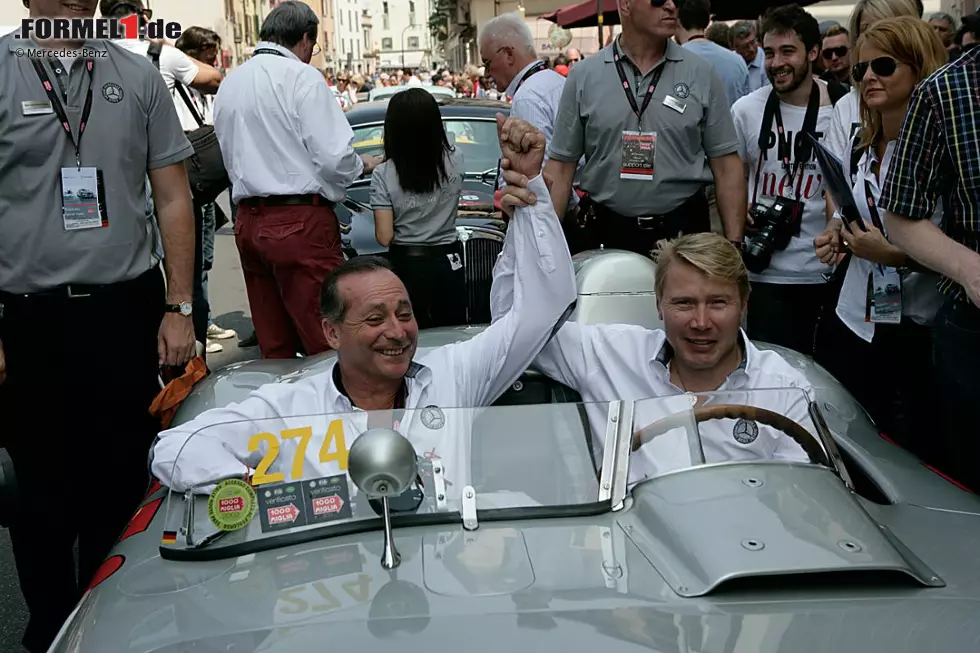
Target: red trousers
286,252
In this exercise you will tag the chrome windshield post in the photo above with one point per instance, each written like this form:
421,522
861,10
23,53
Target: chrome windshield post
828,442
615,453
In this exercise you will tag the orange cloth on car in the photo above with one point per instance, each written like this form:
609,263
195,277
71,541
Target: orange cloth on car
173,394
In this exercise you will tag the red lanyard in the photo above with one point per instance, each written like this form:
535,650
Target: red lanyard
59,108
872,207
628,89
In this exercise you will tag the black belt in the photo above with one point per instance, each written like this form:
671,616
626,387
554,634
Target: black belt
399,249
594,210
79,290
286,200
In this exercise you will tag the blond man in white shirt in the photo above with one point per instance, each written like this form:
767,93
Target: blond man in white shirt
289,154
702,291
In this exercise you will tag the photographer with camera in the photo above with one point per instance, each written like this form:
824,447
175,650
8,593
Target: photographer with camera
787,209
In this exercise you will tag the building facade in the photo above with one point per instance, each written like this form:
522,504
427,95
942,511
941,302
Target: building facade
401,33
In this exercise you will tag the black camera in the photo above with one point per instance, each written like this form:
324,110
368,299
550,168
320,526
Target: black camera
774,226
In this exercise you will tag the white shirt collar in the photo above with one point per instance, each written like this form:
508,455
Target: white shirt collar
514,83
278,48
417,378
664,354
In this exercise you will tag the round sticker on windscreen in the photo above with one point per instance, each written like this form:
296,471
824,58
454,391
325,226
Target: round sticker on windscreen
232,505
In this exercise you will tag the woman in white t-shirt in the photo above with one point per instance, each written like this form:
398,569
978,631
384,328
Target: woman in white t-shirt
878,340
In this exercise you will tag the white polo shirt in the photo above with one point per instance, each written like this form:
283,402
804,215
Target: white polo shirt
467,374
609,362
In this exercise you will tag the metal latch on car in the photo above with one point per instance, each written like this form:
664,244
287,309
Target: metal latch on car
470,522
439,484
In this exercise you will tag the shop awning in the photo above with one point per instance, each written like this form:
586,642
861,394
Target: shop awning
584,14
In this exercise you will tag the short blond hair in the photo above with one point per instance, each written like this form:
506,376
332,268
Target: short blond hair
710,253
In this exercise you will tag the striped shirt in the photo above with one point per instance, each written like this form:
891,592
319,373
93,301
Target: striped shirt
938,155
536,100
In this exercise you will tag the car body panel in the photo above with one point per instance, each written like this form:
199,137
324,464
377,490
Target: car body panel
674,570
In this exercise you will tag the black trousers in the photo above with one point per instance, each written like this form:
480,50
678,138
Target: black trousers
74,417
200,303
437,291
957,346
892,377
591,226
786,314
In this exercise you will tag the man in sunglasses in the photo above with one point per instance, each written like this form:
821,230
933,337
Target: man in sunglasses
653,123
836,56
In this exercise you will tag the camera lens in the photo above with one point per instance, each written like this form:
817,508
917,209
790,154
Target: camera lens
757,253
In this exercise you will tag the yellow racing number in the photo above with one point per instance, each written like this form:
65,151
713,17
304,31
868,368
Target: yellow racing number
262,475
334,440
304,434
333,449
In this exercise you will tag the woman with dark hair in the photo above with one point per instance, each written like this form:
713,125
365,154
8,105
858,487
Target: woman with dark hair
415,194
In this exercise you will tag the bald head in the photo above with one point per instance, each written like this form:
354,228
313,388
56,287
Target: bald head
573,56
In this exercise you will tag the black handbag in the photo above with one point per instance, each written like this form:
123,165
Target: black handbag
205,168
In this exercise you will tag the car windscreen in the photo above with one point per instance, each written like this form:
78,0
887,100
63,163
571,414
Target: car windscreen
245,486
475,139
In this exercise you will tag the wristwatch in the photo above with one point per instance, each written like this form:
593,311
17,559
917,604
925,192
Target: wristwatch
184,308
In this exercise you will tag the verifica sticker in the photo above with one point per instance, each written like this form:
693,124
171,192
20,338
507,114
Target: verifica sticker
231,505
311,501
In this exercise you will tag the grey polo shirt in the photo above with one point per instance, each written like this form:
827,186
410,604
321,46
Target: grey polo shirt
594,113
420,218
133,128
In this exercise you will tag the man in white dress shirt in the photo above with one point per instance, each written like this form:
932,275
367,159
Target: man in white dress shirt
288,151
702,293
507,52
367,318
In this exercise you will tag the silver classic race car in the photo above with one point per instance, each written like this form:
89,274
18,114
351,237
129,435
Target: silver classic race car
523,534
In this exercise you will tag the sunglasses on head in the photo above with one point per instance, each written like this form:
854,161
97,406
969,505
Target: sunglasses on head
839,52
881,66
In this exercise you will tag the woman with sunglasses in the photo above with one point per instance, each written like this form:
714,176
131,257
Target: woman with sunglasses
415,194
846,114
878,341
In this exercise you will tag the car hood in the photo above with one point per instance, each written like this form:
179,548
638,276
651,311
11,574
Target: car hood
584,586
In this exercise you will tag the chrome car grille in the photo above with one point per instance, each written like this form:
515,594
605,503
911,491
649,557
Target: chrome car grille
479,256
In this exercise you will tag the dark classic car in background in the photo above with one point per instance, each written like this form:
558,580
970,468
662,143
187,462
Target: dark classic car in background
869,551
472,124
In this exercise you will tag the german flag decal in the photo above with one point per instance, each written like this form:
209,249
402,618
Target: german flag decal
169,537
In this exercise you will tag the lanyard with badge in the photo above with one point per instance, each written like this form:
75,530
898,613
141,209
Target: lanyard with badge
785,151
639,148
884,299
81,204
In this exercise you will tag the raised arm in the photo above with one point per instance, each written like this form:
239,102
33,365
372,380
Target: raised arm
543,286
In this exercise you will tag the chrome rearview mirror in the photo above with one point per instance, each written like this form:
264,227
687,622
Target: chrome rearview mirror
382,464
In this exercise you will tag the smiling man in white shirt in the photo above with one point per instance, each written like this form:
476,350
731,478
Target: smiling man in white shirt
289,155
367,318
702,291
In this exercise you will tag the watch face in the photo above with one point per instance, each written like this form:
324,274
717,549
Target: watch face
185,309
